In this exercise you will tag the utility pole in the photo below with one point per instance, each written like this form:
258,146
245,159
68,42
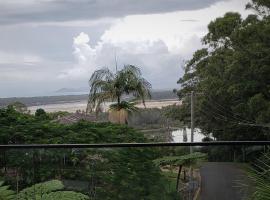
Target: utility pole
192,119
191,185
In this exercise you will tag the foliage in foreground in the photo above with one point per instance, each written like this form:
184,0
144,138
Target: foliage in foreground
127,173
5,192
46,191
188,159
180,161
260,176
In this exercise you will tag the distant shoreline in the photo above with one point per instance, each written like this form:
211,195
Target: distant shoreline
81,105
63,99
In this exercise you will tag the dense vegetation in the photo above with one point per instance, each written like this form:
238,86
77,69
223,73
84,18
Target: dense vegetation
20,128
46,191
126,173
231,77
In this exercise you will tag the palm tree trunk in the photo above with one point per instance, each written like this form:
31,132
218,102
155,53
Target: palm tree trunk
178,177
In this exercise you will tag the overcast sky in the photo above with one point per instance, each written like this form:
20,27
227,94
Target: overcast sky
46,45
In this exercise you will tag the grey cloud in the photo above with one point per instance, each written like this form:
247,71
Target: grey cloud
154,59
50,42
66,10
161,67
189,20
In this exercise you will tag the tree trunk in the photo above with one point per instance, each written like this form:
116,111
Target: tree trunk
118,100
178,177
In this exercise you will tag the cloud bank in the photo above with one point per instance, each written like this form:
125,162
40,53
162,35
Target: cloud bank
153,57
29,11
50,44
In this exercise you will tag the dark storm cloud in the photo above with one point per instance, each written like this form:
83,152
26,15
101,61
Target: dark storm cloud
15,11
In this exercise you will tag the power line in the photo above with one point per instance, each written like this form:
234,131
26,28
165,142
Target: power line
206,114
228,111
222,117
223,109
260,125
226,119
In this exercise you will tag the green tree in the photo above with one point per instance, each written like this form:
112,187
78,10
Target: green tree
126,173
18,106
41,114
230,77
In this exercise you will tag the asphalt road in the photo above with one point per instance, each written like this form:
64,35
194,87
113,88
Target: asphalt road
221,181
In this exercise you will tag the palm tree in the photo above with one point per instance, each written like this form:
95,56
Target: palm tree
108,86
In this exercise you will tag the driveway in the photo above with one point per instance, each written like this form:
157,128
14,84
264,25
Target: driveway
221,181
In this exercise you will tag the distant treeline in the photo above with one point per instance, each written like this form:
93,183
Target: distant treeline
43,100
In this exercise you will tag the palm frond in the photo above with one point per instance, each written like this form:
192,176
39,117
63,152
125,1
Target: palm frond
106,86
101,74
101,88
128,106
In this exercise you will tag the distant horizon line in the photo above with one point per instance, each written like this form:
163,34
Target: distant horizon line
79,93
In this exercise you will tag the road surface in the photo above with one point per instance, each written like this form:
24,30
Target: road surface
221,181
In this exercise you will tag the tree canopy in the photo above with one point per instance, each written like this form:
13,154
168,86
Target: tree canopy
127,173
231,77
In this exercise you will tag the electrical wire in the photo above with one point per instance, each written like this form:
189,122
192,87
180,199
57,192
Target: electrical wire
226,119
228,111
